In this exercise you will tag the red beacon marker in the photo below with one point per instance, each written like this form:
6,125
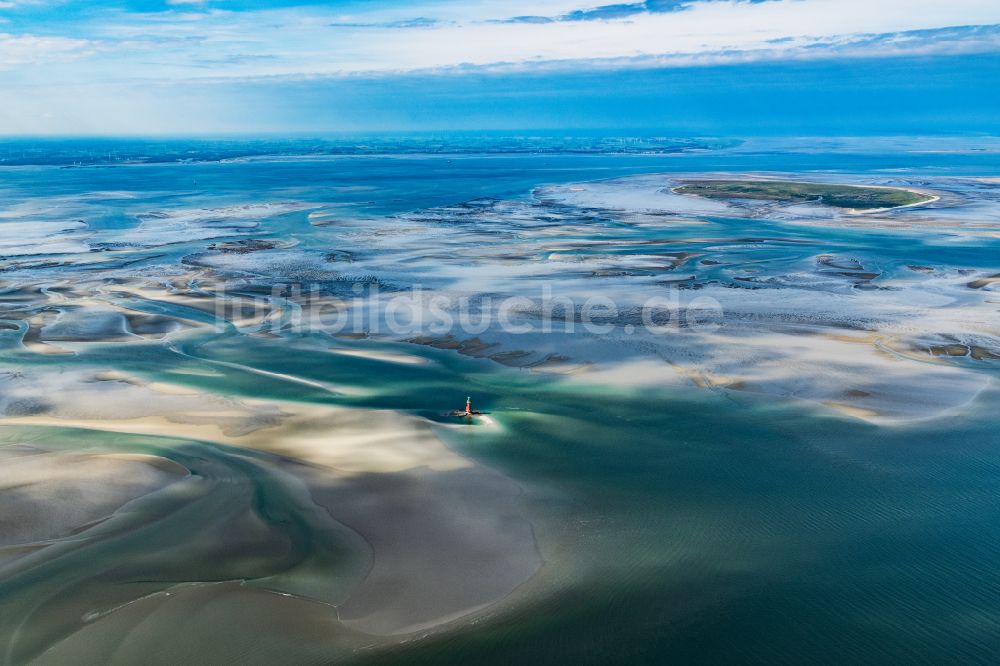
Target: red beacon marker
468,411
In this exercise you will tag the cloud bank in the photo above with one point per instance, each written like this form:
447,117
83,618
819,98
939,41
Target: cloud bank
48,48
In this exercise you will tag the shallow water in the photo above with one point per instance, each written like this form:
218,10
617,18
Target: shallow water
676,522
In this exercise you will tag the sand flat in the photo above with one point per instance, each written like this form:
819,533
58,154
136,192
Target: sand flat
378,355
146,630
448,536
48,495
445,544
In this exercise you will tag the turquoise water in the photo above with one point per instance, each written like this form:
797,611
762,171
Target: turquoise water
691,527
677,525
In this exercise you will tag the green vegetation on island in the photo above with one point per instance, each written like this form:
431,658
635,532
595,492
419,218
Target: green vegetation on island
841,196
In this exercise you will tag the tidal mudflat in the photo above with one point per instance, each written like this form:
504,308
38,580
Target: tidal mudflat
741,428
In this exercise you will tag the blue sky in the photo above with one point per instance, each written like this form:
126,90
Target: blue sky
715,67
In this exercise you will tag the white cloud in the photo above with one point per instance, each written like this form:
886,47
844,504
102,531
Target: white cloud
441,34
705,28
10,4
21,50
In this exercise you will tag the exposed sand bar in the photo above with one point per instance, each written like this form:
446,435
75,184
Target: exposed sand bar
377,355
50,495
147,630
448,536
445,543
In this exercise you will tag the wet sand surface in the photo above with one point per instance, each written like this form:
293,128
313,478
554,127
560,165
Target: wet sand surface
48,496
